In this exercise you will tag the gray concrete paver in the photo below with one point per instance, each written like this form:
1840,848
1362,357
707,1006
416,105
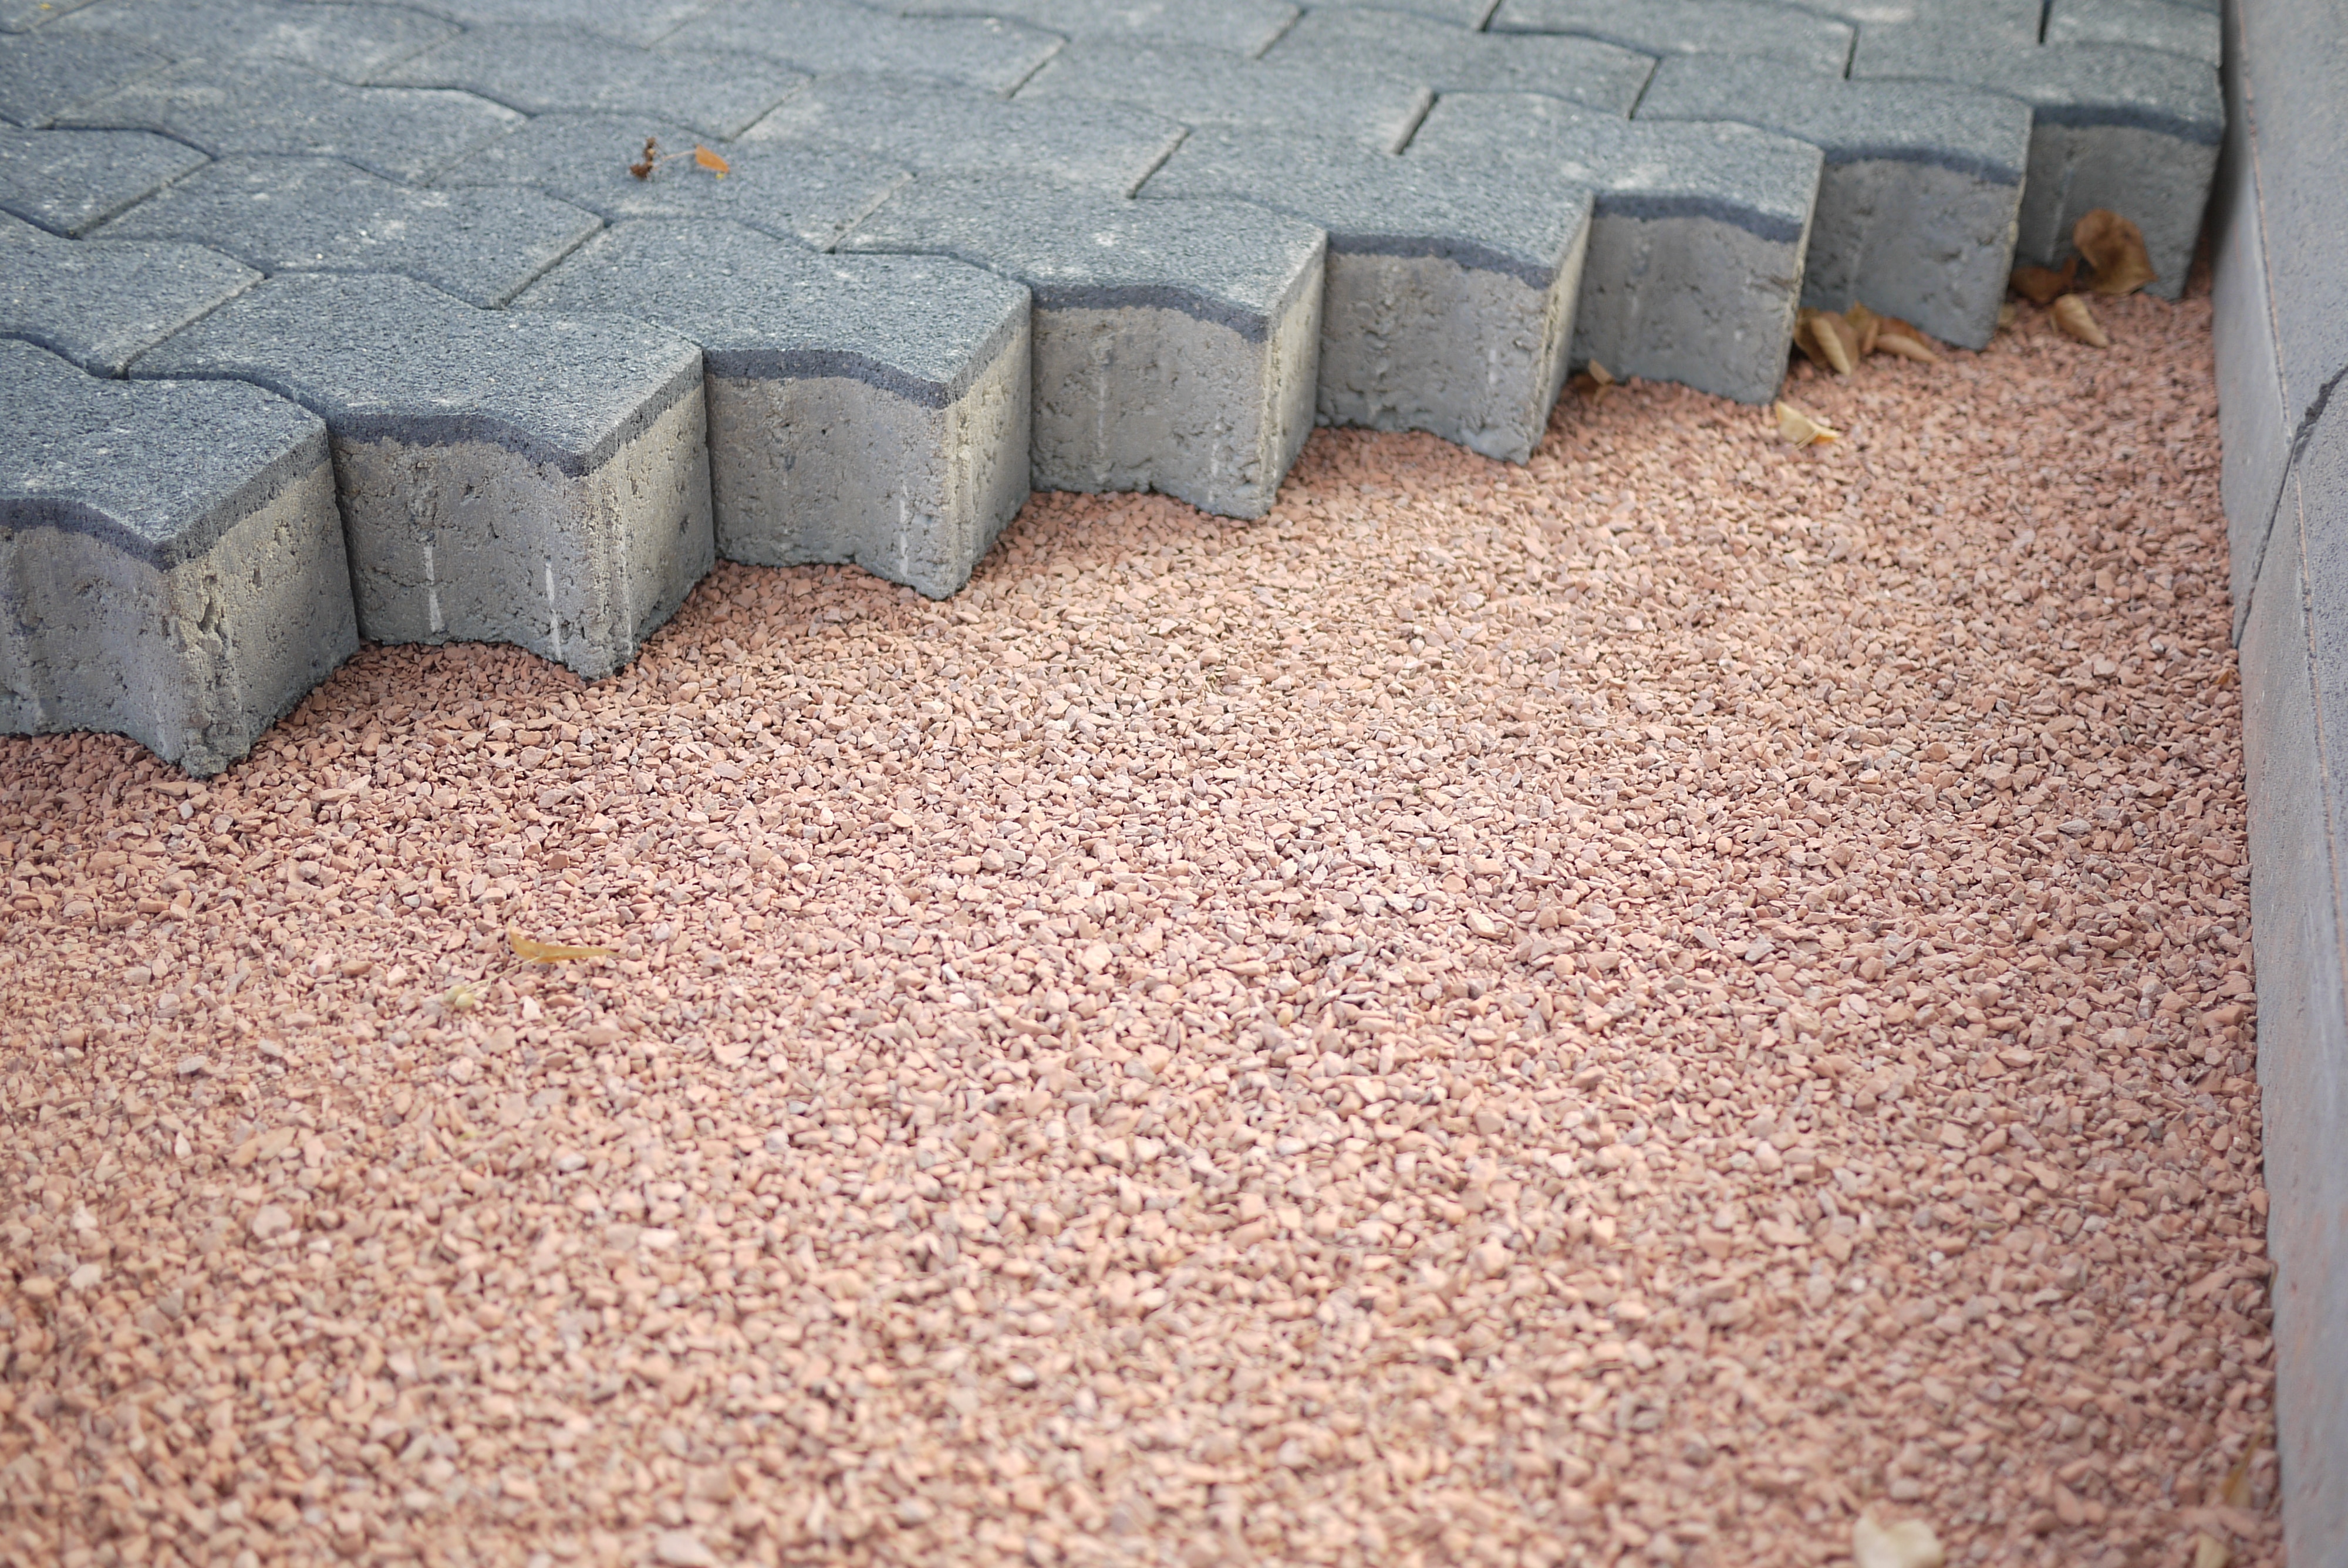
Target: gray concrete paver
1788,33
2161,25
549,71
70,181
101,302
48,74
830,36
348,41
1212,86
1453,60
1242,27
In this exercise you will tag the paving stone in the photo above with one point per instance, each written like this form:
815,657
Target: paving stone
101,302
172,563
543,70
1472,15
1694,267
348,42
1212,86
1242,27
639,22
1796,36
1453,60
2174,30
24,15
268,106
835,35
321,215
1448,301
959,130
1176,342
2015,22
69,181
811,192
864,409
2135,130
45,75
504,476
1917,205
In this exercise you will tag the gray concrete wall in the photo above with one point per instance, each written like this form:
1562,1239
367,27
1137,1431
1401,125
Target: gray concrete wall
2281,301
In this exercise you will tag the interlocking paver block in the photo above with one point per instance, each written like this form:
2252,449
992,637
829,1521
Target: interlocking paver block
1800,37
542,70
321,215
1694,267
48,74
69,181
1448,301
959,130
1212,86
872,409
101,302
23,15
2135,130
1176,342
1471,14
639,22
172,564
505,475
804,191
265,106
1917,209
1454,60
2174,30
831,36
349,42
1242,27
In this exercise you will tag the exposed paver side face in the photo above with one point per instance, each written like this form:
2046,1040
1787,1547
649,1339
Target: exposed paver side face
514,477
828,37
1695,268
864,409
1176,342
1242,27
546,70
1923,185
70,181
1451,60
172,563
1789,34
1210,86
101,302
348,41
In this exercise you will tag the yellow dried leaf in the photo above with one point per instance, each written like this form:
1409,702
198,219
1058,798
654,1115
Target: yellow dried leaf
1908,1544
1897,337
2071,314
2236,1492
553,952
2043,285
1804,429
462,997
2209,1551
1867,324
1594,382
2007,314
711,161
2114,248
1828,340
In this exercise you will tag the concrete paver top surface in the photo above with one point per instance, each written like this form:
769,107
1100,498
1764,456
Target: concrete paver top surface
1449,59
69,181
1210,86
350,42
1787,33
1242,27
830,36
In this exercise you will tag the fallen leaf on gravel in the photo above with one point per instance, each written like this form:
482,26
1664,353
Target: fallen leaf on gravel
1867,324
643,168
1594,382
2071,314
1908,1544
1897,337
462,997
711,161
1804,429
553,952
2043,285
2114,247
2209,1551
1829,340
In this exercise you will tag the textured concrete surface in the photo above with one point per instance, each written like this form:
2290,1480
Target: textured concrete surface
101,302
172,563
1450,59
831,36
1660,27
348,41
1242,27
864,409
1210,86
69,181
45,75
541,70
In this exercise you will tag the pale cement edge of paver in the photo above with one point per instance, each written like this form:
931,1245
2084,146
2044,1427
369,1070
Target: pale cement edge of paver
2286,496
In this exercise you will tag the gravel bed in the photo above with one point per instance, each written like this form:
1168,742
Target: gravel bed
1620,1009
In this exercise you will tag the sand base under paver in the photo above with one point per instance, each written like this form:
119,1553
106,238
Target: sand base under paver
1496,1014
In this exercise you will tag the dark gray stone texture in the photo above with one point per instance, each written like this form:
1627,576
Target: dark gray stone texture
1798,38
505,475
2171,29
639,22
1452,60
1695,268
1242,27
549,71
322,215
1472,15
1104,147
1918,205
830,36
2005,22
808,193
1210,86
47,73
2135,130
348,41
101,302
172,564
24,15
864,409
268,106
1176,342
1449,297
70,181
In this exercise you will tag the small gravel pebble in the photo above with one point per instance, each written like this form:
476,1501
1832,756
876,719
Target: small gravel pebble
1628,1008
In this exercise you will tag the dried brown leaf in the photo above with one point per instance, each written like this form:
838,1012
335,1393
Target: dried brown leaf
1594,382
643,168
1828,340
1803,429
553,952
2209,1551
1867,325
2114,248
2236,1491
711,161
2043,285
1897,337
2007,314
2071,314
